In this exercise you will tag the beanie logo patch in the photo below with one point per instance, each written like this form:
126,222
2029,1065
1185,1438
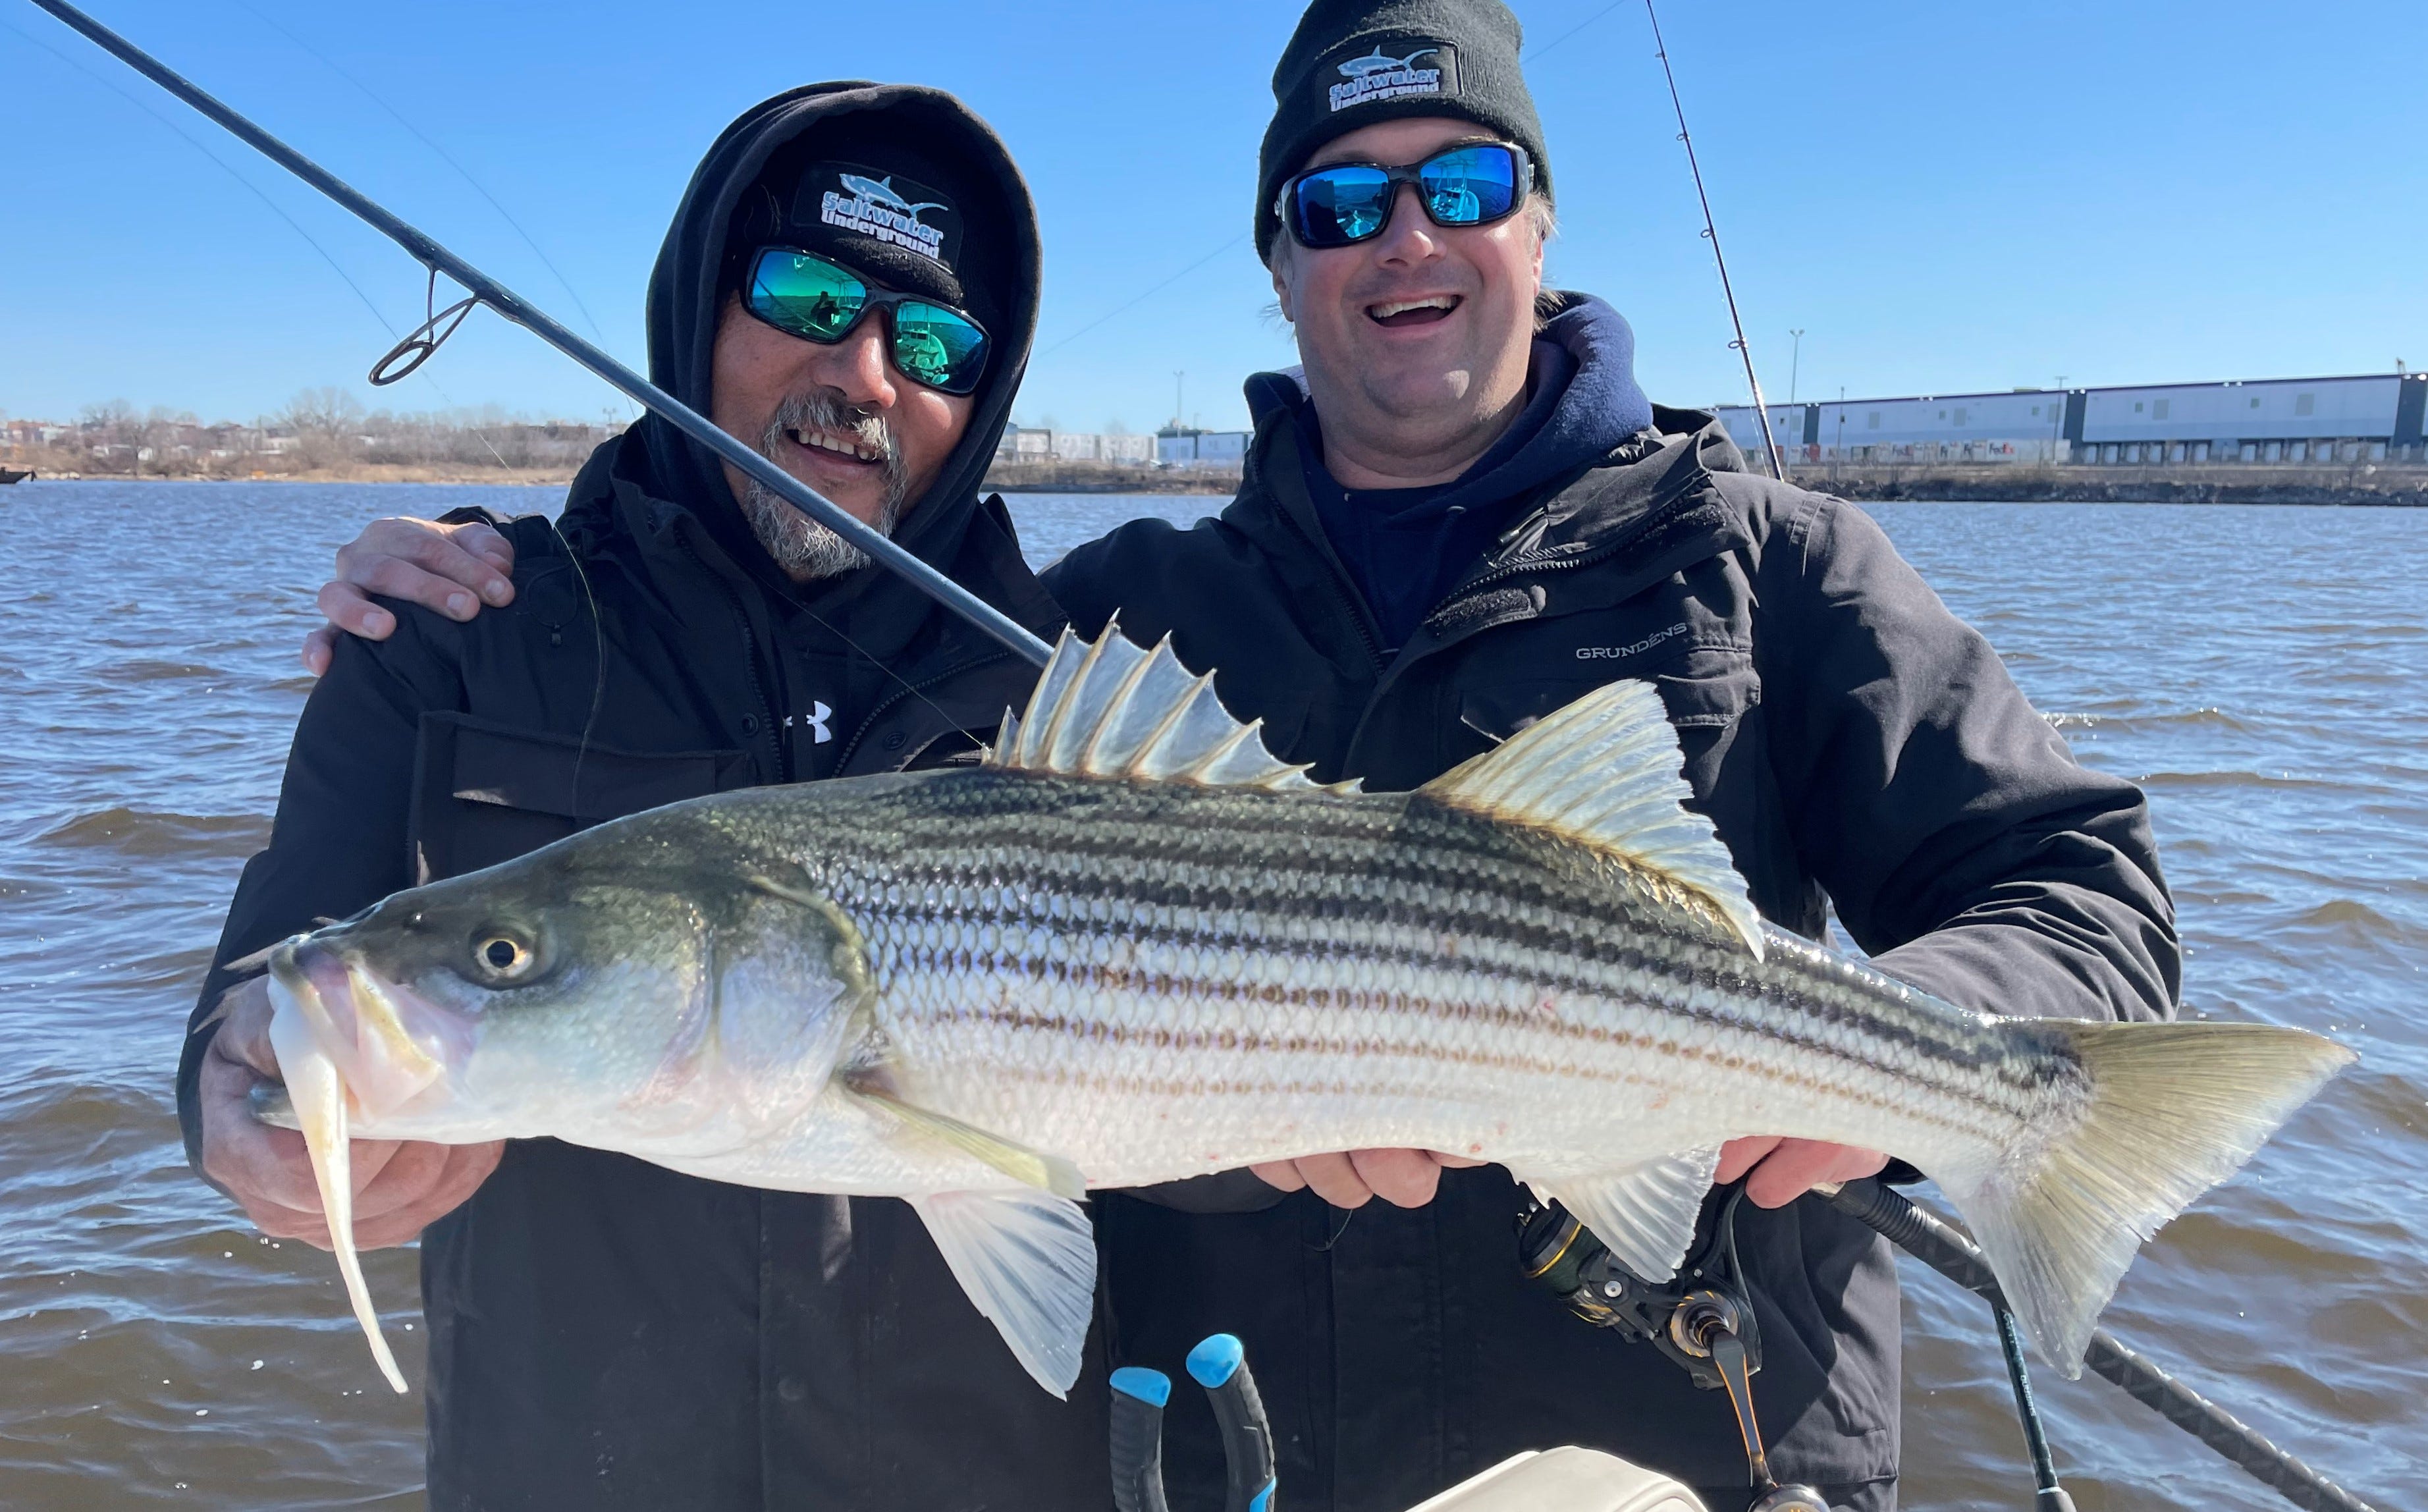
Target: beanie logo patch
1393,71
886,208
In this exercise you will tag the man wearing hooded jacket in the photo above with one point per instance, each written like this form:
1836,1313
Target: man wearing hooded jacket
1460,513
604,1333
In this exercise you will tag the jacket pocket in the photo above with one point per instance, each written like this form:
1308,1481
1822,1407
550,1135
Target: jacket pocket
484,793
1702,687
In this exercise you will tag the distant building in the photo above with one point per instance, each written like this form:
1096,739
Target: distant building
1182,446
2373,417
1035,444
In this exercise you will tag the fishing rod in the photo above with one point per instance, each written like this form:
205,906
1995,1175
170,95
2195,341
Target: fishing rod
1710,234
1931,1239
1711,1298
483,290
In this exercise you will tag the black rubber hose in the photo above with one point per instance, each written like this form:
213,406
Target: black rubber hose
1928,1238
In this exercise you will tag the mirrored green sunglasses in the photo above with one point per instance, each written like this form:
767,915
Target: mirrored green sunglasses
802,294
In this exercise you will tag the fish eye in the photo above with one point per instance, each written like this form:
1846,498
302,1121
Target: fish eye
501,956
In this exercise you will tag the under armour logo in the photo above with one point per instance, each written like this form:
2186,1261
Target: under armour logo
818,715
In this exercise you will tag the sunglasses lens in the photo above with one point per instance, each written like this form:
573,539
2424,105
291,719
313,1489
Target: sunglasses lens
1470,185
938,347
1339,206
804,296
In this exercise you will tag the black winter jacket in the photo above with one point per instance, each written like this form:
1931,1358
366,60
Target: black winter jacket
603,1333
1854,743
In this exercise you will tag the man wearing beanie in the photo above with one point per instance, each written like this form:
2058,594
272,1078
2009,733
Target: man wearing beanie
1459,514
604,1333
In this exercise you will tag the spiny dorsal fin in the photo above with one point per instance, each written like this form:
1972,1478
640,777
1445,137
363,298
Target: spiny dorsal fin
1602,772
1108,709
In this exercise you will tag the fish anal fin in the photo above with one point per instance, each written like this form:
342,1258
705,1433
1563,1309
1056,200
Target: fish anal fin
1645,1212
1603,772
1027,1260
1106,708
1035,1168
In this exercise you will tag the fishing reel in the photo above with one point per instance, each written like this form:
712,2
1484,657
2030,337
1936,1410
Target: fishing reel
1703,1317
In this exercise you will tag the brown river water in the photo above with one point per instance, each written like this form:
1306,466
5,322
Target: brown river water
2262,672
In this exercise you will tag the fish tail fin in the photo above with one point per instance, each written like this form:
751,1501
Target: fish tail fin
2174,1109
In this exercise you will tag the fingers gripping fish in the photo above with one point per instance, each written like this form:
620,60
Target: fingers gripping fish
1133,947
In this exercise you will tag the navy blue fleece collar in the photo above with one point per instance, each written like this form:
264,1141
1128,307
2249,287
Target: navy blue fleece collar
1408,548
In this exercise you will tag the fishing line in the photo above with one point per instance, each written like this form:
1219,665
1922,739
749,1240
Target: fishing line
1712,234
258,192
443,155
1125,307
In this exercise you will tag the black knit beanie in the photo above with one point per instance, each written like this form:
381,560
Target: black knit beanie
1353,62
891,198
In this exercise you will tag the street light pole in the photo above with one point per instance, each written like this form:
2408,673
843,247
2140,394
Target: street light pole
1795,359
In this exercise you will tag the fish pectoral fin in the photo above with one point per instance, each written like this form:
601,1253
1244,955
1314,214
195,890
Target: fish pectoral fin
1027,1260
1047,1173
1646,1213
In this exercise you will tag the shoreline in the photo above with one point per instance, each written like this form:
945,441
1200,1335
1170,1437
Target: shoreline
2366,484
2361,485
1062,478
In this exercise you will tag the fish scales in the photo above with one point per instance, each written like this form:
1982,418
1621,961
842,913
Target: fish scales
1133,947
1036,933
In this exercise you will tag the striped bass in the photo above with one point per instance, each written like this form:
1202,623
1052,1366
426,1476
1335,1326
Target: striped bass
1132,947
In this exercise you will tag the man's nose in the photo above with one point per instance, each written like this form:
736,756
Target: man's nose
1410,236
858,365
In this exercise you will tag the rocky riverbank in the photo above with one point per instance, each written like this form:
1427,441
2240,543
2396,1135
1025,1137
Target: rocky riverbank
2359,483
1109,477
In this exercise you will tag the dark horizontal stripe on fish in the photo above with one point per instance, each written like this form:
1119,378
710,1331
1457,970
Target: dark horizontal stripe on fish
1553,928
1242,1042
1783,1032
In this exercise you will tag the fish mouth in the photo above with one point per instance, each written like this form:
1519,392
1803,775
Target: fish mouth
388,1044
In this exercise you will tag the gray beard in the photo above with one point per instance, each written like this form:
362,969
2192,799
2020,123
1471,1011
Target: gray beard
805,549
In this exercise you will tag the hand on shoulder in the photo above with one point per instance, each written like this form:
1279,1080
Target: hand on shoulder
448,569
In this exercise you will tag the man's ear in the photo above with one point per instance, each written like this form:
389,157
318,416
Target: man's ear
1281,282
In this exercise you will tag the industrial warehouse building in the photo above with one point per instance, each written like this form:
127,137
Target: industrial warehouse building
2371,418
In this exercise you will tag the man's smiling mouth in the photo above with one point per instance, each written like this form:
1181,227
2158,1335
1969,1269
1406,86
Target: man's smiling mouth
835,444
1425,309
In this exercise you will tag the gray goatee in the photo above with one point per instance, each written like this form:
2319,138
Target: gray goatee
805,549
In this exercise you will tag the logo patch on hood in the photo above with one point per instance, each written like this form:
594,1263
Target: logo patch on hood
884,206
1415,65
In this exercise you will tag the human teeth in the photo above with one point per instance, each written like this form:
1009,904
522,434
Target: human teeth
827,441
1432,302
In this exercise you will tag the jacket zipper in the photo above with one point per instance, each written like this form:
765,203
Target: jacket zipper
1468,589
750,661
909,689
1340,593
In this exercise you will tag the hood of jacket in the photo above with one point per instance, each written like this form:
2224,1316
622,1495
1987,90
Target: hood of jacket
683,311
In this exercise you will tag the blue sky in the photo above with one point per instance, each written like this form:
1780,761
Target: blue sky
1943,197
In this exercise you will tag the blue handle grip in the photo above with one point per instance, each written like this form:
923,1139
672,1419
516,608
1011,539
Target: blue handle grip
1220,1365
1139,1396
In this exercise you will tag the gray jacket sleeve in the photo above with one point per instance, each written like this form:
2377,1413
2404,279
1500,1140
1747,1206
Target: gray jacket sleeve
1962,844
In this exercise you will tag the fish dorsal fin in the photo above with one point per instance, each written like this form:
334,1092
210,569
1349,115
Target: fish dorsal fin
1603,772
1108,709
